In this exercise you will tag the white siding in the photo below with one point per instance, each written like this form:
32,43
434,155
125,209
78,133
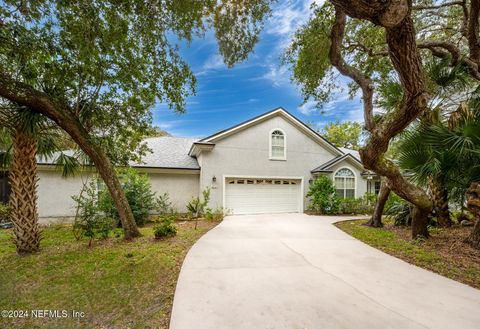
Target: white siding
55,193
181,188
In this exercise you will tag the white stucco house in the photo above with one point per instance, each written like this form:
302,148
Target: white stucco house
262,165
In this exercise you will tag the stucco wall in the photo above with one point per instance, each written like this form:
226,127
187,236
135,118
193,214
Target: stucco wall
247,153
55,193
180,188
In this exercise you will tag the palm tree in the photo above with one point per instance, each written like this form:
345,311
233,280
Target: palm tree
29,134
428,165
462,139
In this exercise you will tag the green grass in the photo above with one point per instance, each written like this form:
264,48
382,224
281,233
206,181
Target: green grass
117,284
428,254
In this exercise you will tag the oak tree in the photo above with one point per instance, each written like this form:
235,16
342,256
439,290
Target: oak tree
373,43
96,68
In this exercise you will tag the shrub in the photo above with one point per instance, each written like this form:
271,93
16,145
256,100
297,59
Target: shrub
196,207
322,196
89,221
163,204
139,194
4,213
398,209
363,205
166,228
215,214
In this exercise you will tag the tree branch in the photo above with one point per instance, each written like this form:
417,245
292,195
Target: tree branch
473,31
369,51
386,13
442,5
454,52
365,83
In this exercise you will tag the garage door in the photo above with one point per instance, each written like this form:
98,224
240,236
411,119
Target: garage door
259,196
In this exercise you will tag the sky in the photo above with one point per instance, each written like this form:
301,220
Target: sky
226,97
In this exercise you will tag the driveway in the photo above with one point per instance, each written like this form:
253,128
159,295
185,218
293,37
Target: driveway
300,271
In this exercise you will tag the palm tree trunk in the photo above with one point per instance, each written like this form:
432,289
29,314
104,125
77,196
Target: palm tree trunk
40,102
376,220
473,204
440,202
23,197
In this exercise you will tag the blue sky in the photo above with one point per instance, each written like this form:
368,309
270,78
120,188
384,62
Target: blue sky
226,97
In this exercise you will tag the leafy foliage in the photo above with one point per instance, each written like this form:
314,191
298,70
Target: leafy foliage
343,134
398,209
166,228
196,206
351,206
89,221
163,204
107,63
51,140
322,196
215,214
138,191
4,213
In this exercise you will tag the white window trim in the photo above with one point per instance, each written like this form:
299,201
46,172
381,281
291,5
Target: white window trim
284,158
354,175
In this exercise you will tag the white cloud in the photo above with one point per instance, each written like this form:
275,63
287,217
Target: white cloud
278,75
213,62
355,114
309,107
289,16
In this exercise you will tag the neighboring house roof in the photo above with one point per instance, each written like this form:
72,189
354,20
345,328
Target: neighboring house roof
169,152
265,116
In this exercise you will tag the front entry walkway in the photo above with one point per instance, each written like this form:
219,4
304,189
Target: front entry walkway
299,271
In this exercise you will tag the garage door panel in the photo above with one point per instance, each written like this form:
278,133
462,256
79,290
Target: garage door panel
262,196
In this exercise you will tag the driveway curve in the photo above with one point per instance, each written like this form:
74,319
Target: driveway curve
300,271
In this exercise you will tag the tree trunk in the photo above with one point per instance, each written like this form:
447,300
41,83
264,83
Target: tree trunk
473,205
376,220
420,222
440,202
40,102
395,17
23,197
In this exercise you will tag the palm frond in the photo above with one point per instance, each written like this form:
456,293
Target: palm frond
67,164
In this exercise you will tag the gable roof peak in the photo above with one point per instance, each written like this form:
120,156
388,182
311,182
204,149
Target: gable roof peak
262,117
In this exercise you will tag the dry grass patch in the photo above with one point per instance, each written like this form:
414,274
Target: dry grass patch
117,284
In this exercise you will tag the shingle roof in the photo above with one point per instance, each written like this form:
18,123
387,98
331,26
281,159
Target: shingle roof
348,152
169,152
324,167
352,152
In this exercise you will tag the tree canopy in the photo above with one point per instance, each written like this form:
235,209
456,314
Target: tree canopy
384,47
343,134
96,68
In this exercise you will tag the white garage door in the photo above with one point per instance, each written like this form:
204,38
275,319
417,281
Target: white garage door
259,196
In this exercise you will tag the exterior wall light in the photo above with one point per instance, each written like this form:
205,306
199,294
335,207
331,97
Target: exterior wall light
214,179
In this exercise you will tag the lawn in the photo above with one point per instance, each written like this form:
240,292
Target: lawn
444,252
117,284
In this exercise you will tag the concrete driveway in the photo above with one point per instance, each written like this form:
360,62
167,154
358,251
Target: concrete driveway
299,271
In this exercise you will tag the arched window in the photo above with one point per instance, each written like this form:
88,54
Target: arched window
345,183
277,145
